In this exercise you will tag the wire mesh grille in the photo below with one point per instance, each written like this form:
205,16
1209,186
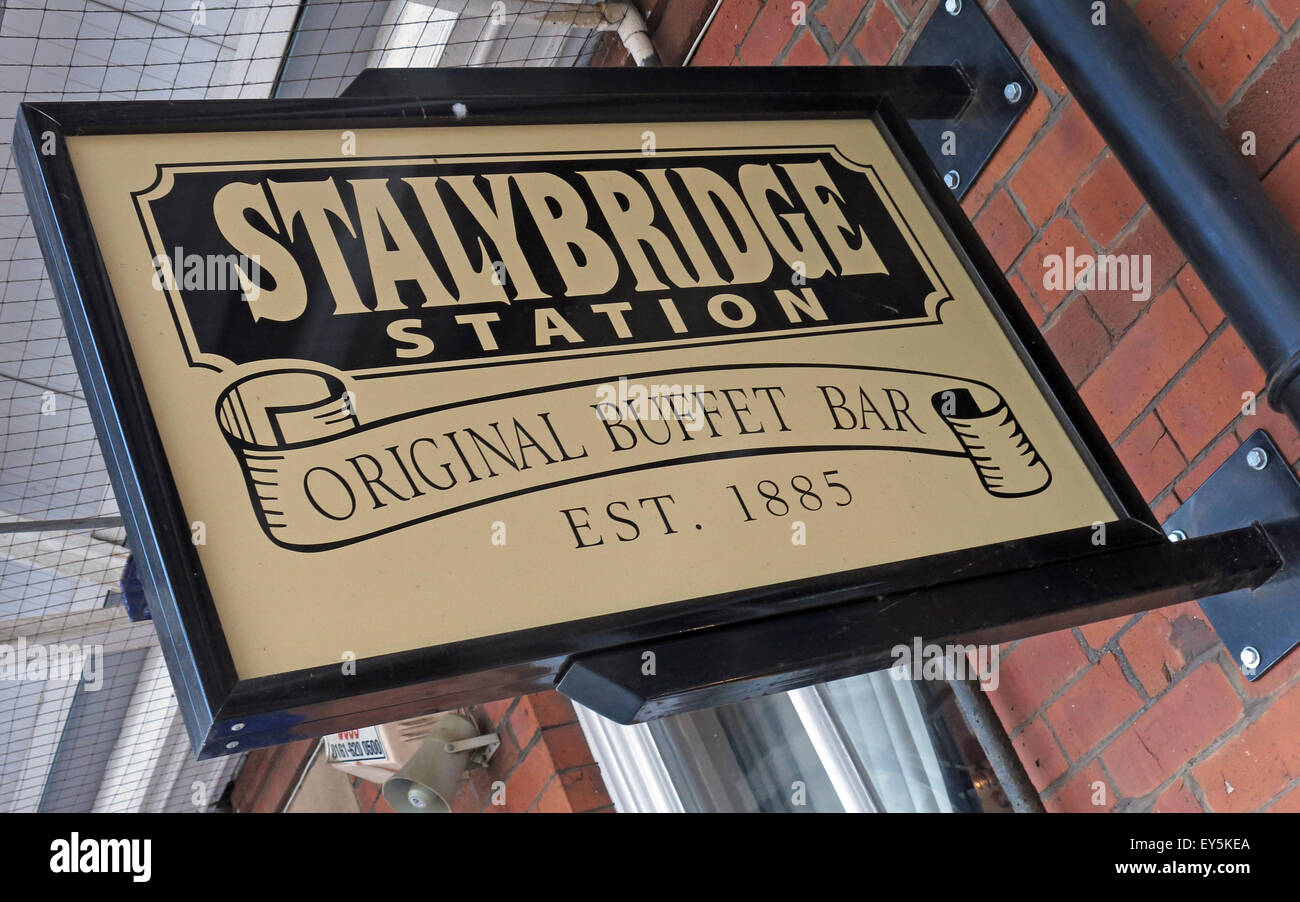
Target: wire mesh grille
88,720
336,39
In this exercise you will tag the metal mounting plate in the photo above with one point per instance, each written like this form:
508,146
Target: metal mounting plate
1236,494
969,41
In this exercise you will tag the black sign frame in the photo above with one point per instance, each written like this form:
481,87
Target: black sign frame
225,715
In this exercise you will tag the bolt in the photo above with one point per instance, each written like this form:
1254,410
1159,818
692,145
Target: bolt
235,728
232,745
1177,535
952,178
1257,459
1013,92
1249,658
953,6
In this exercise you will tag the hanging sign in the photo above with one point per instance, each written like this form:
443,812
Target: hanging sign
413,412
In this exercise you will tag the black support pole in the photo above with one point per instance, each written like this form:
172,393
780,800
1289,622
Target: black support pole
982,719
1194,179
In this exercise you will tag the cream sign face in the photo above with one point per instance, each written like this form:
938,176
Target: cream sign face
423,385
473,383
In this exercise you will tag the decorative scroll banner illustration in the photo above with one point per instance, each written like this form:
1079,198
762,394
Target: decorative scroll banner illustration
319,478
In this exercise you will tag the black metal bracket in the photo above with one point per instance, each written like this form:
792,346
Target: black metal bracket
1007,596
1255,484
960,88
1001,91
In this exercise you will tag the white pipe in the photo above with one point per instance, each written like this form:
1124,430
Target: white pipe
633,33
623,18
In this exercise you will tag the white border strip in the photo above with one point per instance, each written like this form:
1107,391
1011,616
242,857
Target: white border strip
630,764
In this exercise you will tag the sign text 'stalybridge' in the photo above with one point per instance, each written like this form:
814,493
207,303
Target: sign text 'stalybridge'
372,265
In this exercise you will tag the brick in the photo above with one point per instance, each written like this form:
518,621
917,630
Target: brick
1054,240
481,779
1012,31
1047,76
366,792
1160,644
1050,171
567,746
529,778
838,16
1022,134
1146,238
1208,396
1283,185
495,711
611,52
1003,229
910,8
673,28
1171,22
1150,456
767,37
585,789
1033,672
507,753
1288,803
1099,633
1221,451
1107,201
1271,109
878,38
1177,799
1042,757
523,722
721,42
466,800
1087,792
1249,770
1276,425
608,53
1230,47
1142,363
805,52
1078,339
1165,509
1287,11
1093,708
553,799
552,709
1198,297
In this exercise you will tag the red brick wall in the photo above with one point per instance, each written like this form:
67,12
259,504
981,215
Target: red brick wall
543,763
1147,712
